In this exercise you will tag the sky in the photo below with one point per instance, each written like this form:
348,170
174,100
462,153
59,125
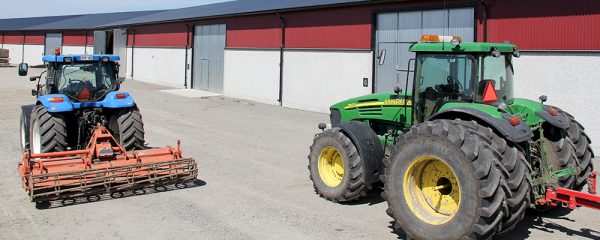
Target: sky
37,8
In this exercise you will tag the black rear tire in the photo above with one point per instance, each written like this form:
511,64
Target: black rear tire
513,159
583,151
47,131
127,127
561,153
352,184
480,176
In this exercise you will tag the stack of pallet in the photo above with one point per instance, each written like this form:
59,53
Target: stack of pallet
4,57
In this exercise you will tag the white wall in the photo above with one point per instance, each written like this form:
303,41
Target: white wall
33,53
164,66
15,52
252,75
316,79
570,80
75,50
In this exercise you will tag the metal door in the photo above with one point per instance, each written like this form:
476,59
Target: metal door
53,41
209,51
120,49
396,32
99,42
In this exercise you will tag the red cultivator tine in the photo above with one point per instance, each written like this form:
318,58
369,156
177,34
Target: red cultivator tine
103,167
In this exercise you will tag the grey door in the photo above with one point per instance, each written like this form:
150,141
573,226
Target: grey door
209,51
120,49
99,42
53,41
396,32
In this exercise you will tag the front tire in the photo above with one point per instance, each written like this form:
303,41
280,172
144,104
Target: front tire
48,131
336,169
443,181
127,128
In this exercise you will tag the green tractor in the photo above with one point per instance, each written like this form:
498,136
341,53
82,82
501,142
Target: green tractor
458,155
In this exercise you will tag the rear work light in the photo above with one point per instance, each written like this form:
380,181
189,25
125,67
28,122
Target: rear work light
56,100
121,96
515,121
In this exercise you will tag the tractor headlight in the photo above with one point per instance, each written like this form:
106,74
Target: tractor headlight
68,60
105,59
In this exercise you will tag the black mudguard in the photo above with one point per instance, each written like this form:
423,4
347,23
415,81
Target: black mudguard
519,133
559,121
26,116
368,146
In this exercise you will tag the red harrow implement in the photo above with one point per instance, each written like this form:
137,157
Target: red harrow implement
103,167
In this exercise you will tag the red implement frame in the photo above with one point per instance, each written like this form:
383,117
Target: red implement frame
573,199
103,167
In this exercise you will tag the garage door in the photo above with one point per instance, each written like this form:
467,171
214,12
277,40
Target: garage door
209,51
397,31
53,41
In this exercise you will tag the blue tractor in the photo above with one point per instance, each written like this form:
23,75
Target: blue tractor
79,93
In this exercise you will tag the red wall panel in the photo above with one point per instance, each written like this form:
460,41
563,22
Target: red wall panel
551,25
163,35
261,31
35,38
335,28
13,38
76,38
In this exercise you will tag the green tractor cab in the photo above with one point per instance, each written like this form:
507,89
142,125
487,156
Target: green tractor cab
458,155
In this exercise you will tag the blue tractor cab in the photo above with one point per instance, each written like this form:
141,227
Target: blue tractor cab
73,95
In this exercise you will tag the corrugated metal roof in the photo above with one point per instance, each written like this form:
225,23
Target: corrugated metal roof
89,21
105,20
229,8
15,24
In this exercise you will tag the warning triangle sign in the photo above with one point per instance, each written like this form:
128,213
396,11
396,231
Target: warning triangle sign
489,94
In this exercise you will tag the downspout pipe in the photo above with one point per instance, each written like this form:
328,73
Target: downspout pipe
23,48
132,50
86,42
485,18
281,50
187,47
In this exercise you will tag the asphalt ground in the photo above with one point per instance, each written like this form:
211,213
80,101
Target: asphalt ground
253,181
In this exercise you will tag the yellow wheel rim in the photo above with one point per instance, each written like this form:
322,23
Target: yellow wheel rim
431,190
331,166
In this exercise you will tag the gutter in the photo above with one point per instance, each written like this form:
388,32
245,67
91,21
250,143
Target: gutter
281,50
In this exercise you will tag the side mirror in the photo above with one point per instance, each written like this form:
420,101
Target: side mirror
34,92
23,68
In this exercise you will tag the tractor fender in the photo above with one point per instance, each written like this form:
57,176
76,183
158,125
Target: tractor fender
560,120
368,146
65,105
519,133
115,100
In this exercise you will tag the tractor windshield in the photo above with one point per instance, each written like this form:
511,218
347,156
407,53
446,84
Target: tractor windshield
82,81
499,72
441,78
